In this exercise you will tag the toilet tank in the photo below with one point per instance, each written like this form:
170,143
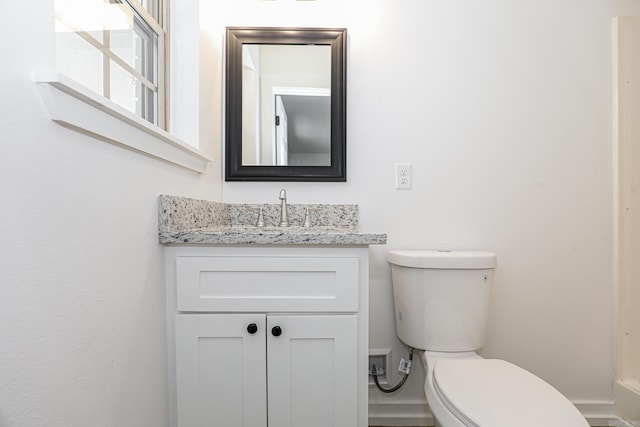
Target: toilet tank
442,298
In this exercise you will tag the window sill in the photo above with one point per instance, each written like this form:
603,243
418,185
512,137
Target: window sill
80,109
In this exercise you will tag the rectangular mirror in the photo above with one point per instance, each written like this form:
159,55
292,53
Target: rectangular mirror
285,104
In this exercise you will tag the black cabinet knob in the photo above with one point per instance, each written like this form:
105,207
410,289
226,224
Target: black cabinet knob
276,331
252,328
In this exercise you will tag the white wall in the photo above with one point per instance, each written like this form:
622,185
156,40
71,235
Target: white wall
504,108
505,111
82,304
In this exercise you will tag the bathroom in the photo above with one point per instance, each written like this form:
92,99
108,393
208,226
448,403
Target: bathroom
505,111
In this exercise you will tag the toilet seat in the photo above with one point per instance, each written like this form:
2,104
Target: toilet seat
496,393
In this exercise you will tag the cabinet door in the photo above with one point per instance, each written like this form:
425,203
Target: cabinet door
312,369
220,370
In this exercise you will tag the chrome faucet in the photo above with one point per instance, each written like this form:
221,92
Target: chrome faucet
284,216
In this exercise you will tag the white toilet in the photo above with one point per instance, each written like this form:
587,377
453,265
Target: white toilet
442,304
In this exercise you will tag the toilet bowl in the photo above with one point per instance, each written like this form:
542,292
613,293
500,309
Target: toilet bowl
465,390
441,302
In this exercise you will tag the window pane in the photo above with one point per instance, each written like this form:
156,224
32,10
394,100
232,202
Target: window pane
79,16
78,59
108,46
131,93
146,48
123,87
153,7
133,40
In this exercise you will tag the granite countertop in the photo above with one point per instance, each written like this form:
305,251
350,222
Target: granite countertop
183,220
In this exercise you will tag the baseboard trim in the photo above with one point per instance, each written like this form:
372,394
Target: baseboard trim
400,413
600,413
627,397
416,413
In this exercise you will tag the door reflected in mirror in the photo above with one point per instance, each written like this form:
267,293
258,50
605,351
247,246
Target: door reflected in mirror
285,104
286,100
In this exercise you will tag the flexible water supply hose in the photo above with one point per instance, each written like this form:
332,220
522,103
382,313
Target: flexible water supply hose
397,387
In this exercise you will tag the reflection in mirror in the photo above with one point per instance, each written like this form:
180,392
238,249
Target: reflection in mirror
286,114
285,105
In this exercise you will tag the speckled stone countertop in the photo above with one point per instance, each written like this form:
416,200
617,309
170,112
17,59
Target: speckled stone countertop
183,220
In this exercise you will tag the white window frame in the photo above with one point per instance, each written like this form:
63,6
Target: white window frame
159,64
80,109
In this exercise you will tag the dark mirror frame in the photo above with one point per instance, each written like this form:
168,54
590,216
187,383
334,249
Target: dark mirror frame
235,38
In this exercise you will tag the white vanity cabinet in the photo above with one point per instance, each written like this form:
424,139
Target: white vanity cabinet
271,336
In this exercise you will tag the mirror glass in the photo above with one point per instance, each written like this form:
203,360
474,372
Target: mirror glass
285,104
286,108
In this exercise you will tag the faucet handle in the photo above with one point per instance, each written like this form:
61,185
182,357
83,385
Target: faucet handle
260,222
307,218
284,216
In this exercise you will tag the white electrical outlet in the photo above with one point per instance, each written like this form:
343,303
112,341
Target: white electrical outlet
403,176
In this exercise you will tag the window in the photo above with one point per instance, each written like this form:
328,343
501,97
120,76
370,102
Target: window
115,48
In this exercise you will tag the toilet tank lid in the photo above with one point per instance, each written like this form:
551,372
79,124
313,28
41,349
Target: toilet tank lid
443,259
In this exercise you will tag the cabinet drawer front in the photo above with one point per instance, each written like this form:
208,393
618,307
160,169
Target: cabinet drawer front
292,284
